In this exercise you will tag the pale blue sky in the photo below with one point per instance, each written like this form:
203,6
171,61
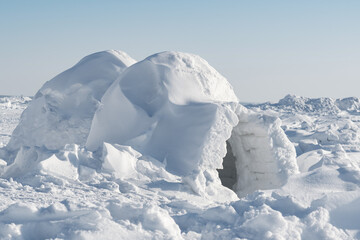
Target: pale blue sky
266,49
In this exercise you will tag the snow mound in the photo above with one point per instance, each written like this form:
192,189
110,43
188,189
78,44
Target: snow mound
62,110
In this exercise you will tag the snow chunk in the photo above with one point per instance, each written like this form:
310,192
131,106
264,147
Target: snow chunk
60,168
24,162
18,212
155,218
119,160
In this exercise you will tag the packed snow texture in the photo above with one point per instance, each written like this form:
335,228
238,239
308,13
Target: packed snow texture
153,138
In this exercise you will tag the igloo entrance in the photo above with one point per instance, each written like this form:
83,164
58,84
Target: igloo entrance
228,175
259,156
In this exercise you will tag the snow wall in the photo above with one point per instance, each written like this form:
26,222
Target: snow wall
172,108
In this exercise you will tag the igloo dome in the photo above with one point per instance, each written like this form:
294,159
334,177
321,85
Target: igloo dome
168,106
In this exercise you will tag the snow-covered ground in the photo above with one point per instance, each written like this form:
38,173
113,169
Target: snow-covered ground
321,202
293,166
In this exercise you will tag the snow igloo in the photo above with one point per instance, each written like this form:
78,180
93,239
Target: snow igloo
171,106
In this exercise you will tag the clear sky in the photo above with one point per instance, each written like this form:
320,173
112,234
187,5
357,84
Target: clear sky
266,49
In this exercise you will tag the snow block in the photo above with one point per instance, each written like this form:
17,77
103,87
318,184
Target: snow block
59,168
119,160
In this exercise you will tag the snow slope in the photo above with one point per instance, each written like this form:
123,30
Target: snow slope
296,164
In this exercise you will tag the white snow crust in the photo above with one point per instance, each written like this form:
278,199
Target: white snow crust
147,163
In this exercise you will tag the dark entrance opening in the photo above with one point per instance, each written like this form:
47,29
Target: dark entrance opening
228,174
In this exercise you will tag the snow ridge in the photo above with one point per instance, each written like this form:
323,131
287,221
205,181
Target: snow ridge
304,104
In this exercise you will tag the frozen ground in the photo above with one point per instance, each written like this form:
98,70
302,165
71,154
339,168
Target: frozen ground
321,202
297,161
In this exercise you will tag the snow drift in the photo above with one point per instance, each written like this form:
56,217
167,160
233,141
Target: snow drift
171,113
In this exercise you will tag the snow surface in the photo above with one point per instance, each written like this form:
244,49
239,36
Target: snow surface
147,168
